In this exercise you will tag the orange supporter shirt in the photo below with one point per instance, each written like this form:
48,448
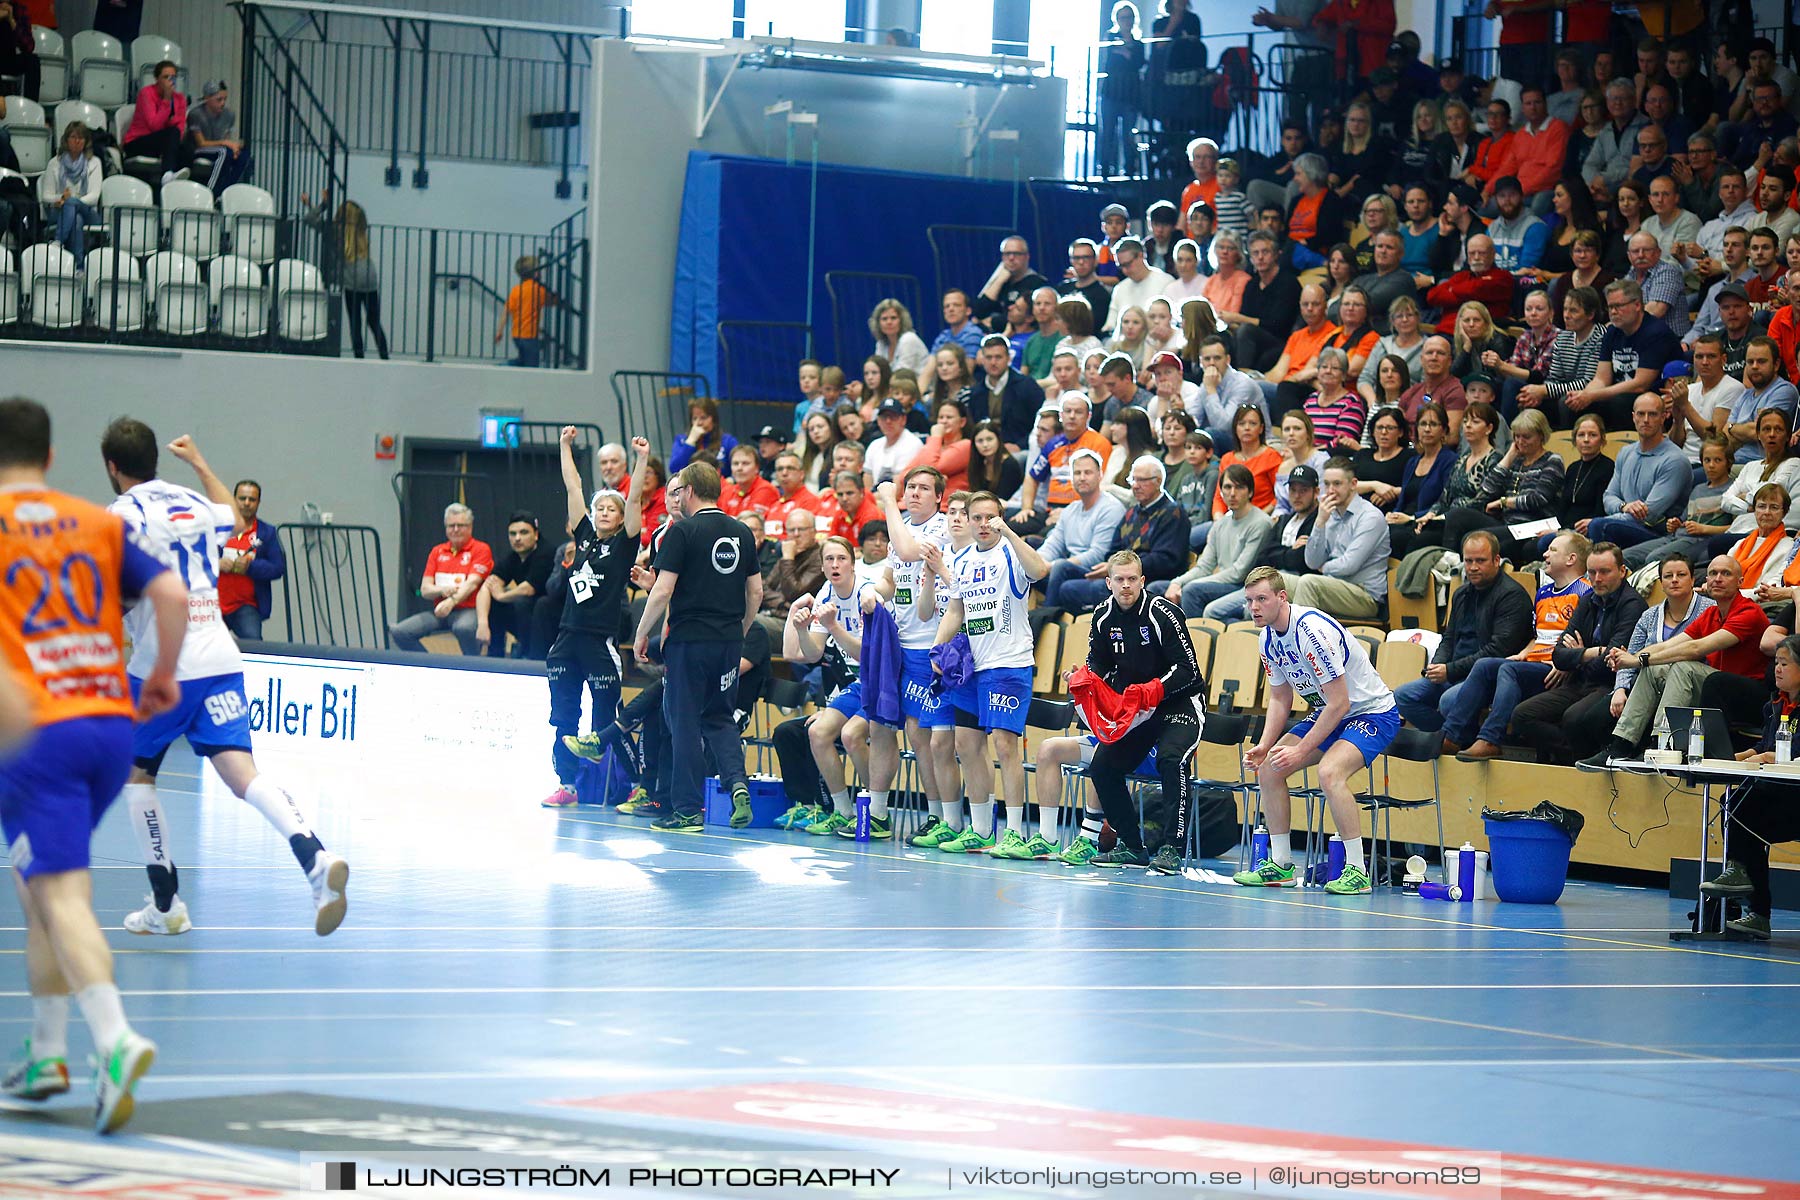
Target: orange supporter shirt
1303,345
759,498
1062,481
449,568
1195,192
1303,222
1262,465
62,621
526,305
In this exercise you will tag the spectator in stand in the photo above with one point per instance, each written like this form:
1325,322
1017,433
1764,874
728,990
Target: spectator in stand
992,468
1203,158
801,571
512,599
1525,485
1052,466
769,444
1404,342
1118,383
1389,284
1481,280
1610,157
1335,412
1176,425
891,325
1132,338
959,331
1264,461
817,437
1734,272
1734,210
1287,384
1356,337
1564,104
1232,548
1346,556
1695,401
1573,355
1275,184
1458,223
1494,150
1195,491
1224,289
1773,195
1077,319
1362,31
948,447
1269,307
1379,212
1417,151
1315,217
525,307
1652,160
1572,212
1531,354
893,452
252,560
1223,391
1519,237
1592,724
1297,450
1011,280
1475,336
614,473
1457,149
1700,174
1121,91
703,440
1381,466
745,491
1479,456
1490,617
1584,132
1004,394
1746,141
1633,350
159,123
792,493
1650,484
18,49
1189,262
1764,389
356,272
1139,282
1419,231
1083,279
1362,161
1040,350
1232,207
1340,273
454,569
1765,263
212,146
1498,684
70,187
1435,382
1154,528
1605,619
1725,637
1630,207
1084,527
1586,272
1115,222
1671,225
849,508
951,375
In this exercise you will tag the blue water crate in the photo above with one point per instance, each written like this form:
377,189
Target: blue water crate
767,802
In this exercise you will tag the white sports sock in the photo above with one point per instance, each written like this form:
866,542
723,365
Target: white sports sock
878,804
1047,822
841,802
953,814
49,1027
148,823
1015,819
981,818
105,1015
1353,852
935,808
277,807
1281,848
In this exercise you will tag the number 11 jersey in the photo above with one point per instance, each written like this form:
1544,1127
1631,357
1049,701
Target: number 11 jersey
186,532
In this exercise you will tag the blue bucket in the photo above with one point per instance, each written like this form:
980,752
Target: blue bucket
1530,860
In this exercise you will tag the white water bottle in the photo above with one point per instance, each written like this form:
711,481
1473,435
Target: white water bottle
1665,738
1696,738
1784,741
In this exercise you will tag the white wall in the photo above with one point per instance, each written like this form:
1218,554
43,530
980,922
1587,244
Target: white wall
466,195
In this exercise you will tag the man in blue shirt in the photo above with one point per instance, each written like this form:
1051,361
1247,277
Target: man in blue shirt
959,330
1632,353
1763,388
1650,483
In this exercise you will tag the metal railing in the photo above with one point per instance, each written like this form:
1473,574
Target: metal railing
297,142
333,593
418,86
757,361
854,295
441,294
654,404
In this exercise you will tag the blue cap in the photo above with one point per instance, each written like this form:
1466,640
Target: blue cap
1676,368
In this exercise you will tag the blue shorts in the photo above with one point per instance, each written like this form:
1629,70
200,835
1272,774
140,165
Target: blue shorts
214,715
917,701
997,698
1370,734
848,700
54,792
1090,743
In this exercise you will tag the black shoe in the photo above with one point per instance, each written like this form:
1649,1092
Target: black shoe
1597,762
676,823
1166,862
1120,855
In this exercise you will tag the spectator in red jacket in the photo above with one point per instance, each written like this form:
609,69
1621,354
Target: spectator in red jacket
159,124
1362,30
1492,153
1481,280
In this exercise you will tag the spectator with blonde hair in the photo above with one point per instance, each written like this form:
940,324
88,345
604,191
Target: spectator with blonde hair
891,325
70,186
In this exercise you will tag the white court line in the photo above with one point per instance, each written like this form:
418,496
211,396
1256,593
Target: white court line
891,988
1024,927
941,951
1250,1064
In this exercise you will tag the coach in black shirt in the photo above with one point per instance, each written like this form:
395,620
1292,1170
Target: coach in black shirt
713,559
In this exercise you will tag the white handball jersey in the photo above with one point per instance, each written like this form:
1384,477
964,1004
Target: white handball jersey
993,586
849,619
916,633
1315,650
187,533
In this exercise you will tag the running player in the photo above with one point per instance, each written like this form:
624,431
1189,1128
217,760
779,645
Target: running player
923,711
606,534
1353,719
992,578
188,531
70,566
829,627
1140,639
934,580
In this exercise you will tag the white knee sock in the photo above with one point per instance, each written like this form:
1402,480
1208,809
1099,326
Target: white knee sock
105,1015
981,817
840,802
1015,819
148,823
878,804
1047,822
277,807
1281,848
935,808
49,1027
1353,852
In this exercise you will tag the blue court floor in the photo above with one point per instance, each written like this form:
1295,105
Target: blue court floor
568,971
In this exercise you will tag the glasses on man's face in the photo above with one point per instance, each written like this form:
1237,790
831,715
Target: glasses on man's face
1012,254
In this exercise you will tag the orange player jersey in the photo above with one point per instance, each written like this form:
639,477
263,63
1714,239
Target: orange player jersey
68,568
1554,608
